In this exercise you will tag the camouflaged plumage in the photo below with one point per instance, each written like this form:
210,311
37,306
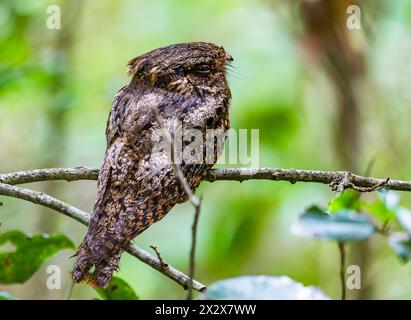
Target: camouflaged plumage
136,187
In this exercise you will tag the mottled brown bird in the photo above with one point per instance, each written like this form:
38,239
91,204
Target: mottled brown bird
183,83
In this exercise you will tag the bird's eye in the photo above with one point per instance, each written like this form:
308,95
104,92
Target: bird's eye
203,68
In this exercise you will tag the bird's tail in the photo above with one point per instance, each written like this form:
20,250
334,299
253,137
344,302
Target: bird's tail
83,264
104,266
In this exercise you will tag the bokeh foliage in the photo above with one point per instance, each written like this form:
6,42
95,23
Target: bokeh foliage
56,88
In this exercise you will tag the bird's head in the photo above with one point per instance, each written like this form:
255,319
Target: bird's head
184,66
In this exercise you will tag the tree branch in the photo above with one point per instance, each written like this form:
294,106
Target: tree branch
68,174
341,179
338,180
45,200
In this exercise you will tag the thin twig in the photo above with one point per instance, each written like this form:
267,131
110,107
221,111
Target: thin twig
82,217
345,182
176,164
374,188
192,198
230,174
70,290
341,247
197,209
163,264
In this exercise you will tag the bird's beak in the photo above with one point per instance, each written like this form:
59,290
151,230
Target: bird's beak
228,58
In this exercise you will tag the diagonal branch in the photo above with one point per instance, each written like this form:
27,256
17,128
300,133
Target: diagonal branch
82,217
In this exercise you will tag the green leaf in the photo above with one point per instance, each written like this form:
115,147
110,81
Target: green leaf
385,206
117,290
262,288
18,265
349,199
6,296
404,218
343,225
400,242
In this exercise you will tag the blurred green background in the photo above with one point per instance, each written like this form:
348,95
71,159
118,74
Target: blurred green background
323,97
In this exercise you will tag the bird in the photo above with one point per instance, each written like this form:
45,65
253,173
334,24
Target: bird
182,85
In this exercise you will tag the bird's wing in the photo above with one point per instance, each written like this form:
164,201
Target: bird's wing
125,105
116,116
